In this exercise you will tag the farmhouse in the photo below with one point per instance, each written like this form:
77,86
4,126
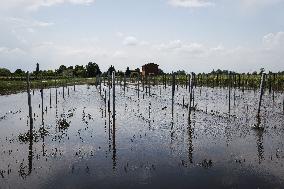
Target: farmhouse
150,69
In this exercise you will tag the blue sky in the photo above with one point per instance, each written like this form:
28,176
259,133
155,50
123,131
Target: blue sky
194,35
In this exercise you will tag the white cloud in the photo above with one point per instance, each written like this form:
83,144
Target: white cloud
171,55
191,3
171,45
120,54
274,40
130,41
26,23
36,4
254,3
6,50
178,46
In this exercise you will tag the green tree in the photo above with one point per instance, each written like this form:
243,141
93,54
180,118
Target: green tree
127,72
180,72
4,72
92,69
61,69
37,68
110,69
19,72
160,72
79,71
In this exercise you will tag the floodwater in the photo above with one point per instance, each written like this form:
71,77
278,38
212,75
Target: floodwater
78,144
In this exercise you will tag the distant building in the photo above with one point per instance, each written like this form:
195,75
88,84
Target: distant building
150,69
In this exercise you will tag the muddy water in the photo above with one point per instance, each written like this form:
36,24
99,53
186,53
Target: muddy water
78,144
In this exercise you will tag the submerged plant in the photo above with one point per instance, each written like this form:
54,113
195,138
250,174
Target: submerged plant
43,132
26,137
63,124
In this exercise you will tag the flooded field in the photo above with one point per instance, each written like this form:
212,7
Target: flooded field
76,143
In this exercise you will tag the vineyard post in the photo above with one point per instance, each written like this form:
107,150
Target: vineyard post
262,83
283,104
186,82
113,94
108,82
74,82
55,90
100,84
149,84
124,83
63,90
138,87
41,94
29,102
190,96
50,98
173,94
229,86
189,80
273,87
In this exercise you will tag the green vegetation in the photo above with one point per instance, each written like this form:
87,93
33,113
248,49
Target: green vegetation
8,86
64,76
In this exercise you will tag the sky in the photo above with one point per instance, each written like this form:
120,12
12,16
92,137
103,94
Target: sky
190,35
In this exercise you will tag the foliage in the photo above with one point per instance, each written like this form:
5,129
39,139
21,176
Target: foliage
19,72
61,69
180,72
4,72
127,72
79,71
92,69
111,69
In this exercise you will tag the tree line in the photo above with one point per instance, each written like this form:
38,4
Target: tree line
92,69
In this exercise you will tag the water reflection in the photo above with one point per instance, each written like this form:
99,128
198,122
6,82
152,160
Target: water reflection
113,146
190,144
204,132
260,148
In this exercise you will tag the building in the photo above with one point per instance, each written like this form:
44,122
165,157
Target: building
150,69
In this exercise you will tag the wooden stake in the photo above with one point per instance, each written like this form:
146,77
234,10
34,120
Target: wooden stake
50,98
29,102
230,93
113,95
262,83
173,94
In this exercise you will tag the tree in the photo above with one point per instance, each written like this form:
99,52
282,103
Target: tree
160,72
111,69
93,69
127,72
180,72
79,71
4,72
61,69
19,72
37,68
